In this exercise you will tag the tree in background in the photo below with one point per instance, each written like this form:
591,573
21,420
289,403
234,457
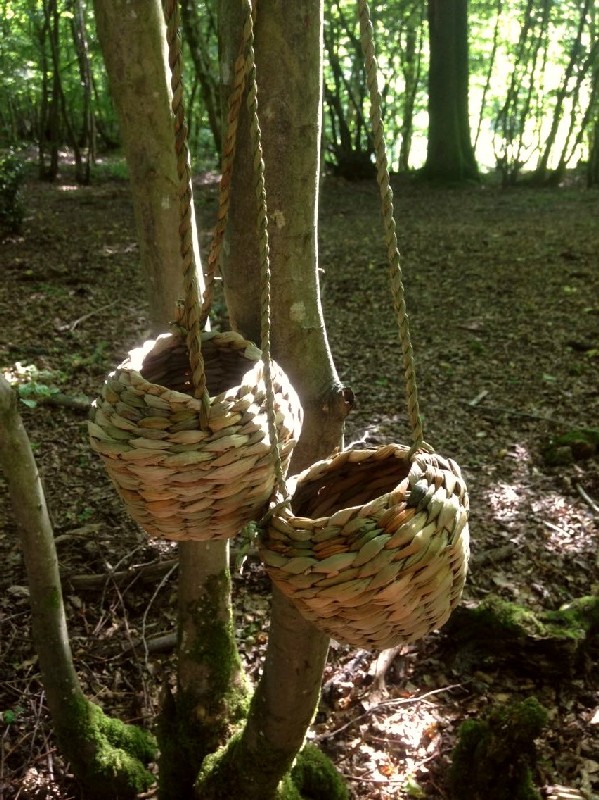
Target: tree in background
450,155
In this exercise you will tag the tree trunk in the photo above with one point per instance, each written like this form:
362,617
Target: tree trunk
450,156
288,63
50,106
85,77
211,693
132,37
198,49
411,59
106,756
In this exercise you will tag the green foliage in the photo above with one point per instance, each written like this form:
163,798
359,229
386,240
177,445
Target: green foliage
12,206
531,69
11,715
495,757
32,383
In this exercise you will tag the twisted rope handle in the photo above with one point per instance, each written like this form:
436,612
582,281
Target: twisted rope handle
228,159
395,273
189,315
263,245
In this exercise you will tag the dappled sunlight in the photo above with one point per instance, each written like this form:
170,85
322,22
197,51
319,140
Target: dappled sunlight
523,507
506,501
566,530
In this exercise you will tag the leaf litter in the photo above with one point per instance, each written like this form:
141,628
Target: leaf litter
503,300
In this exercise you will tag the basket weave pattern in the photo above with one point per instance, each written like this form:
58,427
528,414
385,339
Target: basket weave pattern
180,481
374,549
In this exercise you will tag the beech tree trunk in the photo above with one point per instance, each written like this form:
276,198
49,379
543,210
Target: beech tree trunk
450,155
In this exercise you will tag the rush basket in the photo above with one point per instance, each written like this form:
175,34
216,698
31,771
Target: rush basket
371,546
179,479
181,424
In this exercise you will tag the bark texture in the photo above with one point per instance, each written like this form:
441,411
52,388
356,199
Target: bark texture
212,692
288,50
132,37
106,756
211,695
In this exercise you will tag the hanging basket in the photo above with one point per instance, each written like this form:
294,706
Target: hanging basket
178,480
374,547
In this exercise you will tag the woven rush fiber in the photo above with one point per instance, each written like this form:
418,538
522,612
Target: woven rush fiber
178,481
374,550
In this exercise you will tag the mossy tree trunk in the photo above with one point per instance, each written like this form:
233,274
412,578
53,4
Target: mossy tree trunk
450,155
106,756
210,689
288,63
210,693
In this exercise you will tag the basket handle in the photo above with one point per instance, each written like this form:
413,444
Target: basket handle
263,245
228,159
190,313
386,193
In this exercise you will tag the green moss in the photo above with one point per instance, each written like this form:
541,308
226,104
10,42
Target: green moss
576,619
55,598
312,777
215,648
196,722
107,756
495,756
316,777
138,743
236,765
577,444
495,618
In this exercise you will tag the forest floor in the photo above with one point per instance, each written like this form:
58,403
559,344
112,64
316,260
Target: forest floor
503,295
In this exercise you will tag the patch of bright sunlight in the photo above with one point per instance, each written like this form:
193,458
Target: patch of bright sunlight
506,501
67,188
567,527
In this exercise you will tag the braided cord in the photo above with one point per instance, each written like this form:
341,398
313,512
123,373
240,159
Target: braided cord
228,159
263,245
189,317
395,273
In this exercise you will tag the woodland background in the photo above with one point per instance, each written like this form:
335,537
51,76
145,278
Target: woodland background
502,280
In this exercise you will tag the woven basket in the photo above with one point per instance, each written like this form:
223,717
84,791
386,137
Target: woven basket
374,548
180,481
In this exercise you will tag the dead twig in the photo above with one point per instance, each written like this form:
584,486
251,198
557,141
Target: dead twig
400,701
587,499
72,325
146,573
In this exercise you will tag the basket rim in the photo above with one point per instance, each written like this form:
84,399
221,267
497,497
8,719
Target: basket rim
282,508
132,364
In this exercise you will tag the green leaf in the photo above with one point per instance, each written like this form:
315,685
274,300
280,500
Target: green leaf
11,714
29,402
